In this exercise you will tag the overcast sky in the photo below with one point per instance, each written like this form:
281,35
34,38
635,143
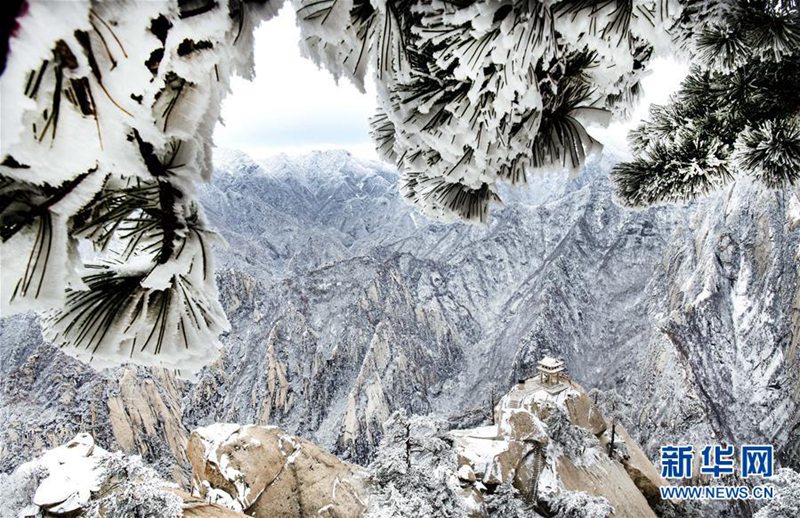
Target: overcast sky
293,107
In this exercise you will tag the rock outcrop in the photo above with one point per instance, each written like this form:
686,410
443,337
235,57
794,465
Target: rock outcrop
550,439
80,478
146,414
263,471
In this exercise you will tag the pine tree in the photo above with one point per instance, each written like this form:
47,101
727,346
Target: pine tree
572,439
505,503
109,108
392,461
412,473
738,112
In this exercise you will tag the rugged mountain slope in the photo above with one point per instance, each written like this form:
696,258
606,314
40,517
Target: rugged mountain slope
548,453
80,478
346,305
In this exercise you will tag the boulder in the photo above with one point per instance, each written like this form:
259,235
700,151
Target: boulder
525,426
73,473
465,473
263,471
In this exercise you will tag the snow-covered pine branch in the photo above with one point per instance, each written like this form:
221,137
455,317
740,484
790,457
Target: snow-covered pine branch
108,114
475,93
738,112
109,108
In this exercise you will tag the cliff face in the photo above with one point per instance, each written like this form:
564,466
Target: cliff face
262,471
346,305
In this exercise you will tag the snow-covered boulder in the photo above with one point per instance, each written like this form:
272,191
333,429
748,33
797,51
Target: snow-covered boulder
264,471
82,479
74,471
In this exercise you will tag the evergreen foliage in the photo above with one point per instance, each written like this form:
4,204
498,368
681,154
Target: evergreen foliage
505,503
572,439
738,112
475,93
577,504
412,471
131,488
109,109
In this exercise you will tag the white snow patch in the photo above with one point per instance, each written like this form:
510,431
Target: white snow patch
73,473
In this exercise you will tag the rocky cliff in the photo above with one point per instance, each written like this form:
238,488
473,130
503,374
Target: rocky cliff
550,442
347,305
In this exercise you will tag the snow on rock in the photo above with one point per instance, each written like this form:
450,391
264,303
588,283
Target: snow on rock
549,442
83,479
74,471
268,472
140,411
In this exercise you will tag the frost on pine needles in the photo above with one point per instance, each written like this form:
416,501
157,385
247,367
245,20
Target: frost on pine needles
108,112
472,94
738,112
109,109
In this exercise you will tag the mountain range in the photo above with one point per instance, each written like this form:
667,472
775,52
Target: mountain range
346,304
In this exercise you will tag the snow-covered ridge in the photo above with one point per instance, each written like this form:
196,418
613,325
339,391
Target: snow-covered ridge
329,167
360,309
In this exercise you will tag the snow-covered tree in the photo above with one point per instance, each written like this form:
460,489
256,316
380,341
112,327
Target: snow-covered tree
577,504
131,488
786,503
412,474
109,108
505,503
17,488
474,93
393,458
738,112
571,439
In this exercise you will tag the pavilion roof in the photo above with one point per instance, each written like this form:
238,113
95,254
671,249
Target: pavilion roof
548,362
